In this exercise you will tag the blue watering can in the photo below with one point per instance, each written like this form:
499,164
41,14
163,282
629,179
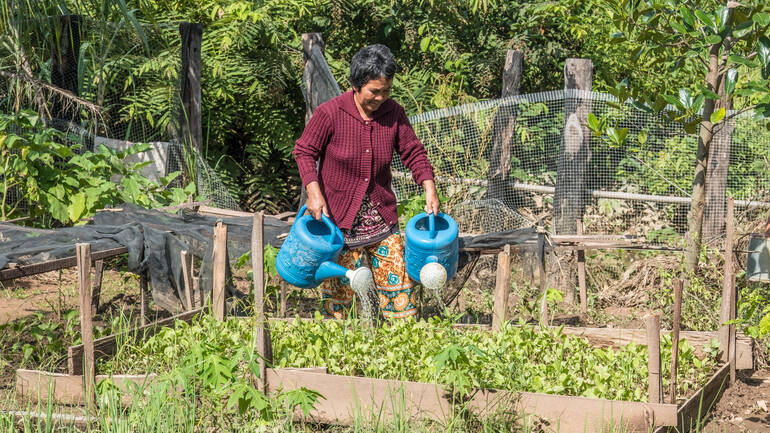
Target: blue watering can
308,254
431,249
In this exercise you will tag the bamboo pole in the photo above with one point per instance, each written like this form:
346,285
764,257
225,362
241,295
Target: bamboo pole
283,298
502,287
581,266
220,263
187,277
258,272
96,292
83,253
678,286
653,358
144,297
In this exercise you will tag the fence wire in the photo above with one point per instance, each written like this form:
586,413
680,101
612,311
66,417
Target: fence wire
511,163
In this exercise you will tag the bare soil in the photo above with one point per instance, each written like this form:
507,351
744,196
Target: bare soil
744,406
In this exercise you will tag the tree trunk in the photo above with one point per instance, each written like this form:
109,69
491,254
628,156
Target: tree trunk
190,125
716,176
64,67
705,136
570,196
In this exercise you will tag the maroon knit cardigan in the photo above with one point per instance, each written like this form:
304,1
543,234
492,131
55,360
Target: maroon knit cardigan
355,156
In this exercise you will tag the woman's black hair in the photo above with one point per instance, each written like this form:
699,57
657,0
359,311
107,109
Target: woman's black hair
370,63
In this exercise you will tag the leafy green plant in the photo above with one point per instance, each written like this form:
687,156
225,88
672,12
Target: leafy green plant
518,357
52,178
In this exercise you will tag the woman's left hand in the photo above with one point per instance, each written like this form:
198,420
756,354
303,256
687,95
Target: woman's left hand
431,197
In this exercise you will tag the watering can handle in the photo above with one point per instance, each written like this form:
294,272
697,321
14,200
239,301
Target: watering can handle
324,218
432,225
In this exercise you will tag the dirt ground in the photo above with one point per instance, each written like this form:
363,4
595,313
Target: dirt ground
744,406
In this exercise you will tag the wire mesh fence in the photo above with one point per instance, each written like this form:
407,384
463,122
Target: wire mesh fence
499,164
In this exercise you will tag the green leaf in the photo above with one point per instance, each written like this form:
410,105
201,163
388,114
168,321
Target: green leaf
708,93
718,115
743,29
763,52
731,77
660,103
593,123
706,20
77,207
678,27
742,61
642,137
692,126
687,17
713,39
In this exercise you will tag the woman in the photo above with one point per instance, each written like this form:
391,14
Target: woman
353,137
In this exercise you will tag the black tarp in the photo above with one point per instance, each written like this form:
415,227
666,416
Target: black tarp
155,240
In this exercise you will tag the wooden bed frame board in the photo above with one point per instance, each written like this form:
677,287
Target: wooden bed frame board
347,396
107,346
57,419
68,389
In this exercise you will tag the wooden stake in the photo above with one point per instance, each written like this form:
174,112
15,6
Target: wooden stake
727,286
187,277
653,358
543,312
283,298
83,254
220,263
258,270
732,337
581,265
97,286
675,336
502,287
144,295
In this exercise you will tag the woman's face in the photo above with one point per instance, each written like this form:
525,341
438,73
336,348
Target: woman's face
372,94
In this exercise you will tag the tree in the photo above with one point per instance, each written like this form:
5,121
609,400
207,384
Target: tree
718,41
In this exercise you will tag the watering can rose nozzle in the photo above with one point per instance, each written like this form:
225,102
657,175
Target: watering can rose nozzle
433,275
360,279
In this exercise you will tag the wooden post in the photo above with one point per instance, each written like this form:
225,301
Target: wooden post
83,255
283,298
653,358
581,267
320,85
503,132
726,311
543,311
97,287
258,271
191,129
220,263
570,193
64,66
718,165
675,335
144,296
731,335
502,287
187,277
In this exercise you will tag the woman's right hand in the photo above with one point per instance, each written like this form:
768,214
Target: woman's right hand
316,204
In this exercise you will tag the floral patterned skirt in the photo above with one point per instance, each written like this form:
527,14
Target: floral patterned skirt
394,287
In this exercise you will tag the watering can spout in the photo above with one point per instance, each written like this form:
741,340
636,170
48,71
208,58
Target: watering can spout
360,279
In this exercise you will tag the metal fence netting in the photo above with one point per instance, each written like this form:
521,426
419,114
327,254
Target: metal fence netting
641,187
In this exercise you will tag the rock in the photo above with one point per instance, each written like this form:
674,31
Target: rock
762,404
